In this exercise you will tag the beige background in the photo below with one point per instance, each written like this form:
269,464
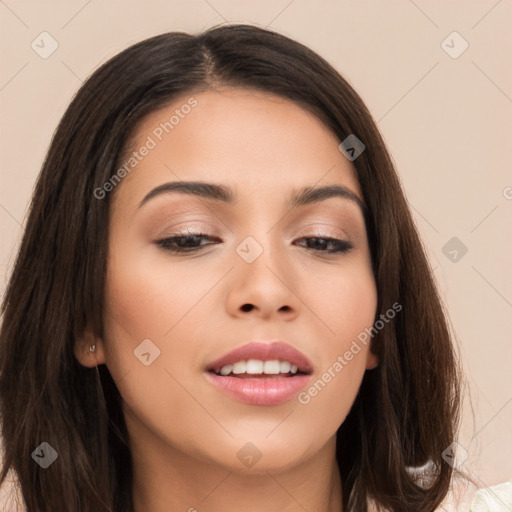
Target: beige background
447,122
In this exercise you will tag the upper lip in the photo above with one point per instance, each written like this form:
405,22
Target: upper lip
264,351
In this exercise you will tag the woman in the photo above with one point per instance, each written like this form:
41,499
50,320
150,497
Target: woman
221,300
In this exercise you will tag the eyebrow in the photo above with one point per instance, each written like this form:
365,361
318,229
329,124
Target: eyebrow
221,193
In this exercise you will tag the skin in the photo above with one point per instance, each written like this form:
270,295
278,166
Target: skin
184,433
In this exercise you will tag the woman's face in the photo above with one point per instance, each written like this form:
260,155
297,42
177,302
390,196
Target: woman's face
263,272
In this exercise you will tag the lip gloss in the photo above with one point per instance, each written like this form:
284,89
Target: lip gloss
263,390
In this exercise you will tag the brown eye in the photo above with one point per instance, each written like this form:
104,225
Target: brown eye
191,242
328,245
183,243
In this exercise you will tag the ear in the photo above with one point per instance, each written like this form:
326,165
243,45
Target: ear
372,361
83,351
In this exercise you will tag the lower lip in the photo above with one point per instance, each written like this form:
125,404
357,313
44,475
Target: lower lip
260,390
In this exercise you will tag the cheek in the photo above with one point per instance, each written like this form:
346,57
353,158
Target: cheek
147,342
145,306
148,296
343,300
346,304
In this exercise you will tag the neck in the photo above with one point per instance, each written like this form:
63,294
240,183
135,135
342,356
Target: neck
165,478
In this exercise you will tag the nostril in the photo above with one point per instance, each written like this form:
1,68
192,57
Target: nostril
247,307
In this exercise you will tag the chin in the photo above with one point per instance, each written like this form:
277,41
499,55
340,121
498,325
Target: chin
260,456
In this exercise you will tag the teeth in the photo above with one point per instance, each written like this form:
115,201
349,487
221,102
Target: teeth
272,367
257,367
284,367
239,367
254,367
226,370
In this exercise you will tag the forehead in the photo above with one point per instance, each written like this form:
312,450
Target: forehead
252,140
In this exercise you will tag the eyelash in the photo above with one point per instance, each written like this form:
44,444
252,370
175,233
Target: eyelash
343,246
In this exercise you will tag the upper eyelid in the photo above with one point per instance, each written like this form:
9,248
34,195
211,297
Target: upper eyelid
210,237
311,230
330,224
344,245
222,216
199,223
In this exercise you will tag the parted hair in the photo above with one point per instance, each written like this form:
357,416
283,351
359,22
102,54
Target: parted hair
407,409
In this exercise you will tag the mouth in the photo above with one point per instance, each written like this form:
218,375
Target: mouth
258,369
261,373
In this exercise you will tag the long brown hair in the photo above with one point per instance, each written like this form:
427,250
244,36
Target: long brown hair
407,409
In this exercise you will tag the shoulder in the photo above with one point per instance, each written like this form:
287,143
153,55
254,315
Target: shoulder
459,497
465,496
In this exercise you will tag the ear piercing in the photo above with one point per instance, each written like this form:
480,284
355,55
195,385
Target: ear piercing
92,348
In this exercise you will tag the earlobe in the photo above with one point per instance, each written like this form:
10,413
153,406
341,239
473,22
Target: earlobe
89,350
372,361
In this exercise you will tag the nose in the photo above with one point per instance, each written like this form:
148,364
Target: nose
263,288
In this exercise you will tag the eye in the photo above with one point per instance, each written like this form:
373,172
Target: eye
180,243
328,245
191,242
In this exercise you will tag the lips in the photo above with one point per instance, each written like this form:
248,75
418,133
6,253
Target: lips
261,373
276,351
